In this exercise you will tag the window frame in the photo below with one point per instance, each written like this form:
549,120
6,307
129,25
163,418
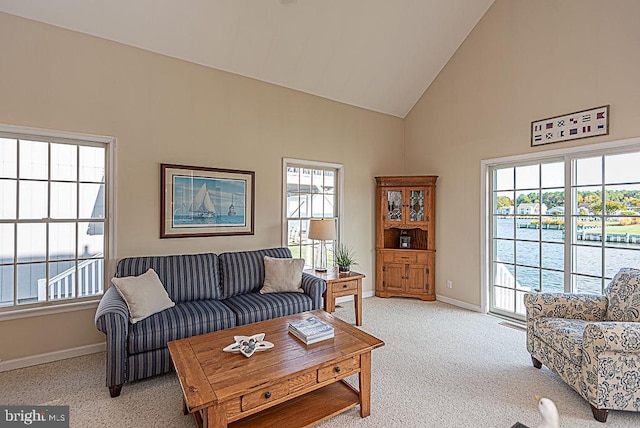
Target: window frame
47,307
339,195
569,156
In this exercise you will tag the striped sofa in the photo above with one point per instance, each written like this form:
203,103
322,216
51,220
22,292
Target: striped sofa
212,292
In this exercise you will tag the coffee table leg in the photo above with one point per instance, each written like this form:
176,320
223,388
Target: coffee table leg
185,409
214,416
365,384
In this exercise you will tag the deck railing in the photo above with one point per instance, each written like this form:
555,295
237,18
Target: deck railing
503,298
90,278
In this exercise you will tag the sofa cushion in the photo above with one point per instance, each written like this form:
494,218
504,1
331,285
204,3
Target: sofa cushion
183,320
282,275
144,295
254,307
243,271
623,293
563,335
186,277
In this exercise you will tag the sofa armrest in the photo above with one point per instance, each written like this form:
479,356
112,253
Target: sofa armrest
610,361
112,318
314,287
588,307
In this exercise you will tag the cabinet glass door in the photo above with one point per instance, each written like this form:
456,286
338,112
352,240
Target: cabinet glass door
416,206
394,205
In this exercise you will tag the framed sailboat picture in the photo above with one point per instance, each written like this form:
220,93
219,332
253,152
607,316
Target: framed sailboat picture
200,201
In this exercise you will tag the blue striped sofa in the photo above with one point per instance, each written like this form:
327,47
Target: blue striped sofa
212,292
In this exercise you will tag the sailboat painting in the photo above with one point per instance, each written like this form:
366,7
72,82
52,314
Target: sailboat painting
206,201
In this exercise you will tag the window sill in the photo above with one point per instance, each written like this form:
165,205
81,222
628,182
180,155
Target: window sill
48,310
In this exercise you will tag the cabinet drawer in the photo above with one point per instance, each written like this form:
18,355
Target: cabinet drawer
338,369
265,395
345,286
400,257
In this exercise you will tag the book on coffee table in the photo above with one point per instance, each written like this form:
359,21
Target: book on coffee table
311,330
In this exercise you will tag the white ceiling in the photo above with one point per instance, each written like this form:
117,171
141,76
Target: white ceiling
376,54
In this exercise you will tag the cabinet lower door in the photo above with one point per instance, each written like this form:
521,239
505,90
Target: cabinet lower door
393,276
417,278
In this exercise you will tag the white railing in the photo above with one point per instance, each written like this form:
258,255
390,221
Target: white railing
503,298
62,286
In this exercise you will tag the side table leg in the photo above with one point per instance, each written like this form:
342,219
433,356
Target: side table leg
358,303
329,300
365,384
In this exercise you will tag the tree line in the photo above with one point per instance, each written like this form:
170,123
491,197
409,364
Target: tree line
617,200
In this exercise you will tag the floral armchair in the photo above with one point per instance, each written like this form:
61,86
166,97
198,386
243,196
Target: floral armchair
592,342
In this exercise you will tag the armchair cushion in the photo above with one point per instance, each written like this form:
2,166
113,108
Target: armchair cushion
623,293
563,335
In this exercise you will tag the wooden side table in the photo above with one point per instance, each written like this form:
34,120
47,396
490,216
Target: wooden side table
339,285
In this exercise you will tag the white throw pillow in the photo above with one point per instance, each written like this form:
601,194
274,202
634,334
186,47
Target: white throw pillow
143,294
282,275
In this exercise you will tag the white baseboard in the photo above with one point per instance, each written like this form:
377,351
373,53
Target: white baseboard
365,294
48,357
458,303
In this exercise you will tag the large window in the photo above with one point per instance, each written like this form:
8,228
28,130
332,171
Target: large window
311,190
53,220
563,224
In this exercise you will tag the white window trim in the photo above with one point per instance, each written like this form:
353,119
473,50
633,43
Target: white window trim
340,194
631,144
110,224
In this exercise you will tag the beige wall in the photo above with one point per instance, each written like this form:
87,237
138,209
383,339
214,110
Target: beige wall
165,110
524,61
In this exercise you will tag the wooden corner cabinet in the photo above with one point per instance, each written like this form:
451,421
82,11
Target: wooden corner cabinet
405,211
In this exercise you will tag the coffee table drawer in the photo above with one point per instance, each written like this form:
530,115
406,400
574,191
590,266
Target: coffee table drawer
265,395
338,369
278,390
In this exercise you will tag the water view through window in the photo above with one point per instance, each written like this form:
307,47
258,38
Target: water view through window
567,225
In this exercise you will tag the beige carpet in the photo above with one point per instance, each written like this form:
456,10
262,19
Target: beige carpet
441,367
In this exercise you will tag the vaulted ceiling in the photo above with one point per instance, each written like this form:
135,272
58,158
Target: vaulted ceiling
377,54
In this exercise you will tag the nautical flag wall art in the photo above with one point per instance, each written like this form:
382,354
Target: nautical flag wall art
593,122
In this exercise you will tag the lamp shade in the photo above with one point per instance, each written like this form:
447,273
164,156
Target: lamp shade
322,229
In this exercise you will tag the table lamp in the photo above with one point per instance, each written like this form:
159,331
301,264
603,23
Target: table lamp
322,229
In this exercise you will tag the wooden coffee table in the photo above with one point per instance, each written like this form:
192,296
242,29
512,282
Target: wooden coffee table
292,385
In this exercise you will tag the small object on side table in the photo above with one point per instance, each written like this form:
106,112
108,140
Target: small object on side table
339,285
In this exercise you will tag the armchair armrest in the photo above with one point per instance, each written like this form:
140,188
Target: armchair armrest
611,336
112,318
315,288
588,307
610,361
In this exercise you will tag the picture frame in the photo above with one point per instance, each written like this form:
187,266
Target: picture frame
592,122
200,201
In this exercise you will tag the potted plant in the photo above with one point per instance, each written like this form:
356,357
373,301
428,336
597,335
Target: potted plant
345,257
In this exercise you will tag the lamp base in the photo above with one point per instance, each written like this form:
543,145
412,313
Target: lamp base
320,269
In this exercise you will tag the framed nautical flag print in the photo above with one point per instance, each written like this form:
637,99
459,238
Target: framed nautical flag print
200,201
581,124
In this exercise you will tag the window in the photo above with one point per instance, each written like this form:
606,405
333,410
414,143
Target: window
53,219
311,190
563,224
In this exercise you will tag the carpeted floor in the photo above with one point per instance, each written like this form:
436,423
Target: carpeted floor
441,366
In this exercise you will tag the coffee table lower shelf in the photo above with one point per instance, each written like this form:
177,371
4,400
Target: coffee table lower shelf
304,411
